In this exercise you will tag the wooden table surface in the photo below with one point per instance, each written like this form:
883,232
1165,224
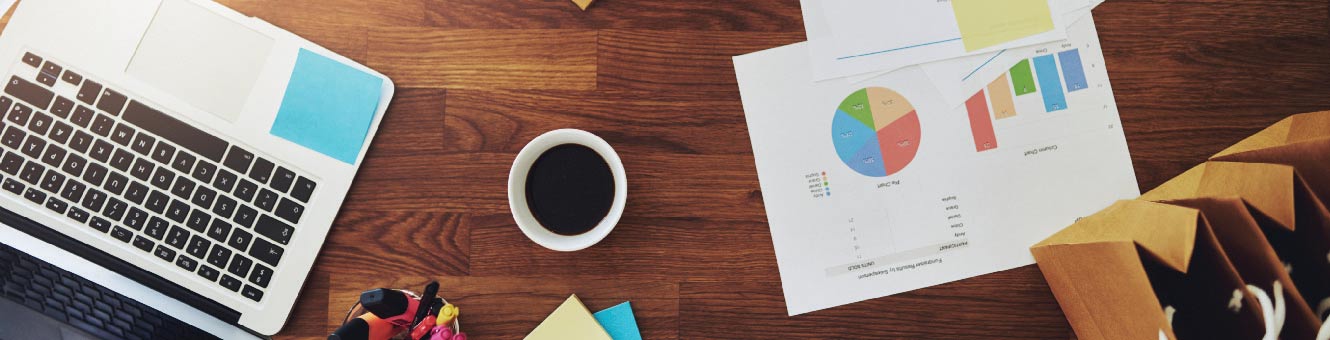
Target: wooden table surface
477,79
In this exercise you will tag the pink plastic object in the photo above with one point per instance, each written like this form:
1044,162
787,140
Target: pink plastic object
441,333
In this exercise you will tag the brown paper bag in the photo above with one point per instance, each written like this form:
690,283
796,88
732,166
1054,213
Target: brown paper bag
1294,221
1301,141
1114,272
1241,238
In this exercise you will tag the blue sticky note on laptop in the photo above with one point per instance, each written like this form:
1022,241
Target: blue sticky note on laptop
619,322
328,107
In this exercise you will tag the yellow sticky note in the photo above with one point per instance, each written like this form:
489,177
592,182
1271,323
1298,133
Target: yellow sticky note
583,3
984,23
572,320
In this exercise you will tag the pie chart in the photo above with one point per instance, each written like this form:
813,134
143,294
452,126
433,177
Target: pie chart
876,132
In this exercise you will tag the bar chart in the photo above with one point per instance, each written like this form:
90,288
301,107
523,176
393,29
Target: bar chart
1052,76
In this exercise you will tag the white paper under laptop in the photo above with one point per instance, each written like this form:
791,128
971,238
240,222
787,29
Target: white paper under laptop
234,91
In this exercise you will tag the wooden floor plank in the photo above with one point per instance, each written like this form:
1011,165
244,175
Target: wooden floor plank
676,60
485,59
724,15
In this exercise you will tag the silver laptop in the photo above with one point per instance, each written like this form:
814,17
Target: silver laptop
176,155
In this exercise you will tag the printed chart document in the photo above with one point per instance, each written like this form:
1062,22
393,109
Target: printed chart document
881,187
851,37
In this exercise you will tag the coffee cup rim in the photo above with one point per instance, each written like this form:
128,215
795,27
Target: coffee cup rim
521,212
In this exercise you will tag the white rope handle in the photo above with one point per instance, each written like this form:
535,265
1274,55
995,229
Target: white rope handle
1273,313
1321,308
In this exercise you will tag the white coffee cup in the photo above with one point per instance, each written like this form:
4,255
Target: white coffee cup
517,202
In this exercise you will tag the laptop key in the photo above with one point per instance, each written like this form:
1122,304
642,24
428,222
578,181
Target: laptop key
19,114
71,78
51,68
183,188
164,253
290,210
115,183
179,211
252,293
54,156
122,159
162,178
73,191
240,240
101,150
32,59
13,186
176,131
34,94
32,172
266,200
56,205
100,224
219,256
102,125
115,209
203,197
238,159
80,142
94,174
11,163
229,282
52,180
156,227
163,153
203,171
224,208
183,162
186,263
137,192
40,123
177,237
60,132
112,102
219,230
143,144
94,200
198,220
208,273
122,234
225,181
122,134
77,214
142,169
245,215
261,171
240,265
46,79
62,107
143,243
136,218
198,246
282,180
266,251
157,201
33,148
13,137
5,103
89,91
245,190
260,276
34,196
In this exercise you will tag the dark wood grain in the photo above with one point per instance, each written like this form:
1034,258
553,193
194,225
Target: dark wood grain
477,79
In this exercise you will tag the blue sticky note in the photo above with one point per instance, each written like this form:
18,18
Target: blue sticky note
328,106
619,322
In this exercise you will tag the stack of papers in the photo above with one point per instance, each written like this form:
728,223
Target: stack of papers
993,127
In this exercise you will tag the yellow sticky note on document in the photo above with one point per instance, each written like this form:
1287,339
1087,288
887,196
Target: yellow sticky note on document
984,23
571,320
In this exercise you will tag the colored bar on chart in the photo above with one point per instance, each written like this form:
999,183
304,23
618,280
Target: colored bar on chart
980,124
1047,70
999,93
1021,78
1072,70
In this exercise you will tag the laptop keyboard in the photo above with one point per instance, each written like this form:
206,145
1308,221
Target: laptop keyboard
83,304
186,197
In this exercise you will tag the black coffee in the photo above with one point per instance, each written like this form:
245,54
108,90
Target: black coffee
569,189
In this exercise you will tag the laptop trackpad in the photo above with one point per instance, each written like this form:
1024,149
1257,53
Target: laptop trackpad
200,57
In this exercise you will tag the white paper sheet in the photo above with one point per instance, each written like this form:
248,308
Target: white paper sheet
849,37
944,210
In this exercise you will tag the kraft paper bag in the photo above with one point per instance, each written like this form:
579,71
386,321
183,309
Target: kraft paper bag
1124,272
1243,241
1293,220
1301,141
